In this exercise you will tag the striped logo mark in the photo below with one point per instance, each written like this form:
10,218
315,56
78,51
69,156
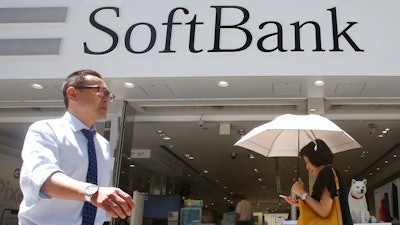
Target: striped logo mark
11,17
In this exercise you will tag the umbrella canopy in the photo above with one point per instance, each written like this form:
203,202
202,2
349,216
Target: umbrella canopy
287,134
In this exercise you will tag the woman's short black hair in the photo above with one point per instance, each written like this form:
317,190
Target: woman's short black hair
321,155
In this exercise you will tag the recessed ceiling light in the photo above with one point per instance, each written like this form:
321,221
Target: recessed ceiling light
311,110
188,156
37,86
319,83
128,85
223,83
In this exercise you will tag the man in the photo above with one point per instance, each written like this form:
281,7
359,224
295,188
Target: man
244,211
56,178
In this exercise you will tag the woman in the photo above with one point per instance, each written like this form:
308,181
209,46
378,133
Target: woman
318,158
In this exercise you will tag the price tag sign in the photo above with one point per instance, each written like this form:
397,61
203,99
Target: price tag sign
140,153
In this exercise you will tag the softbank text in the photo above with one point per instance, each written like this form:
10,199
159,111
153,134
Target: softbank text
338,37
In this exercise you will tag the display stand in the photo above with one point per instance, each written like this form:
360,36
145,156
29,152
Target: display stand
190,216
137,212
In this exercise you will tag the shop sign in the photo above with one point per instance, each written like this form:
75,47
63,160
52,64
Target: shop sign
270,37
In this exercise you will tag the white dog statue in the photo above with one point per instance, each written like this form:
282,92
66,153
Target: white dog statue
358,202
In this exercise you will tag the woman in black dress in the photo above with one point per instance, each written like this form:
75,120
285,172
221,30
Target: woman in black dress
318,158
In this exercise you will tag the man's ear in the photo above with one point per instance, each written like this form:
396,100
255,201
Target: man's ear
71,93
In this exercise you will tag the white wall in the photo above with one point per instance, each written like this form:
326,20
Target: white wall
374,32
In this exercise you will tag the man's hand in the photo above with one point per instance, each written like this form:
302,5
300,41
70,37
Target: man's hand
114,201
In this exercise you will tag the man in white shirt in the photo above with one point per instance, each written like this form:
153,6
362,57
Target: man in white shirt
244,211
55,161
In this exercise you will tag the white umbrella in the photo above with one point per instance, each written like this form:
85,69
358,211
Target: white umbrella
287,134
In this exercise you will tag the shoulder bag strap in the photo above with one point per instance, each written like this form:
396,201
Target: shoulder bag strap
336,182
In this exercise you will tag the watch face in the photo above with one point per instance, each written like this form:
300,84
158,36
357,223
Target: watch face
91,190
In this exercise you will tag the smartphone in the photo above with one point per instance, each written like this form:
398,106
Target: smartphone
282,196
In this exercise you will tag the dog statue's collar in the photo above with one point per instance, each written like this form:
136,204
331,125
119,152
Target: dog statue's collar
355,197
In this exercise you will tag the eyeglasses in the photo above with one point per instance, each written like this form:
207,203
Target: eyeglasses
102,91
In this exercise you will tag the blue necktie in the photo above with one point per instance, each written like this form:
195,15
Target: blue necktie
89,210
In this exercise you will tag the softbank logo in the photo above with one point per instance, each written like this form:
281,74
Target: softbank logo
268,37
24,44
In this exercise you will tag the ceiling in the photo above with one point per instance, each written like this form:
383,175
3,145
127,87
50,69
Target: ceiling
191,110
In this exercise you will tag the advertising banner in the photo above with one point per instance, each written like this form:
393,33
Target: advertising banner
387,202
10,193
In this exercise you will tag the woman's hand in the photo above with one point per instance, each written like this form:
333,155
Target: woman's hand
298,188
291,201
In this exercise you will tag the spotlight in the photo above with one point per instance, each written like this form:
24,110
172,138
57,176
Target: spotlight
250,155
233,155
372,128
201,121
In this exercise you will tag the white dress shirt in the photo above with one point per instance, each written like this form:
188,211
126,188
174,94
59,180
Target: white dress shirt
245,210
58,145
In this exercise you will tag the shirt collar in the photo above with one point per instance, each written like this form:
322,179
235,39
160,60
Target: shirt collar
75,123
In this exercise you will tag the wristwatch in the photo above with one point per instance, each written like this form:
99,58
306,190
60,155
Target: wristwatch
304,196
90,191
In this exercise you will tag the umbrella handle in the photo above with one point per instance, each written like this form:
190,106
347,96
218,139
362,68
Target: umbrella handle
312,139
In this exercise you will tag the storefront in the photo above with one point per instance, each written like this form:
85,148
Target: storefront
173,51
